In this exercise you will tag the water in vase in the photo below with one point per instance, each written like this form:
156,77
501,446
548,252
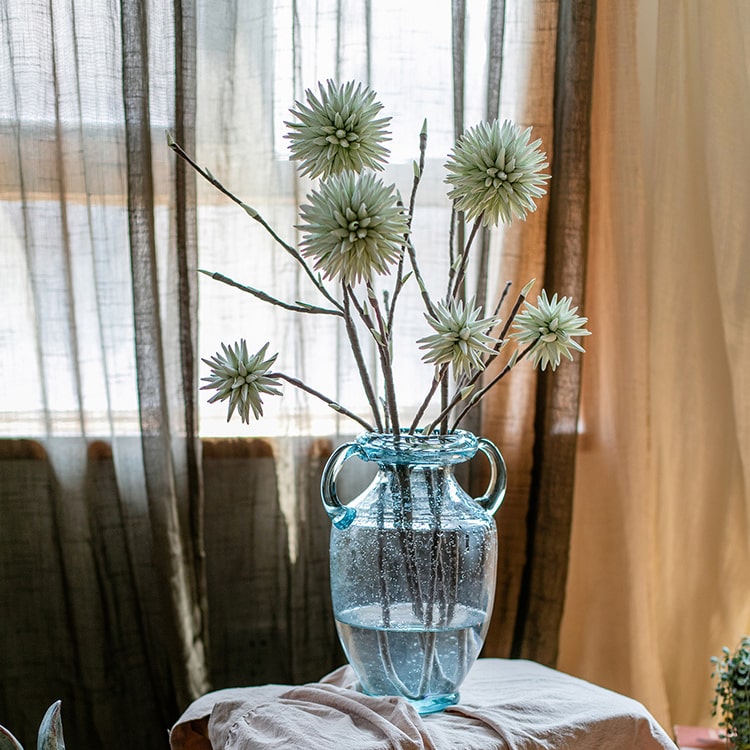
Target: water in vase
394,653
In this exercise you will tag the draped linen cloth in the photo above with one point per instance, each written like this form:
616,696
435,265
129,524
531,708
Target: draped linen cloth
504,705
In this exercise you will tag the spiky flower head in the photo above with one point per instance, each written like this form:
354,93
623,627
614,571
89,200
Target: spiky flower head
460,338
353,226
496,173
551,326
242,379
339,131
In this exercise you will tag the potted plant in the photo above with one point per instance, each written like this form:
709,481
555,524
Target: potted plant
732,693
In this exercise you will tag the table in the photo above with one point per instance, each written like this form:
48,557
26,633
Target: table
505,704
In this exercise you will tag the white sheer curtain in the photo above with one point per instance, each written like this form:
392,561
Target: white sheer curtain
101,539
660,555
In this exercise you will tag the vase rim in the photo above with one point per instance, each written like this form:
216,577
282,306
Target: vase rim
418,447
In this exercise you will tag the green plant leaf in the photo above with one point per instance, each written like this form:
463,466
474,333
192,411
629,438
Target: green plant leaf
732,694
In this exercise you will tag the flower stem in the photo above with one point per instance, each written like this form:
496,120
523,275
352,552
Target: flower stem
447,407
439,376
461,272
300,307
476,398
382,340
255,215
333,404
360,361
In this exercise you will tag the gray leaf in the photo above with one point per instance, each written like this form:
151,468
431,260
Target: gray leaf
50,730
8,741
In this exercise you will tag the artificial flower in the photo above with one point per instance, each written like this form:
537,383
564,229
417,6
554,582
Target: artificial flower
340,131
550,327
354,227
241,379
495,173
460,338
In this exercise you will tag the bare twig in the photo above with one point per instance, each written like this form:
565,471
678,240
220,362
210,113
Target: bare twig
503,295
360,361
250,211
419,170
390,305
337,407
439,376
301,307
452,247
418,276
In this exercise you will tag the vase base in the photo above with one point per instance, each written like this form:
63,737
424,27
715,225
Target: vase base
430,704
433,704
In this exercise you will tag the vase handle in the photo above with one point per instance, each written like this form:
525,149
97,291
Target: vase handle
340,514
493,497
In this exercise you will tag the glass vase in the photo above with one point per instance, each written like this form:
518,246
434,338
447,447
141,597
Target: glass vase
413,562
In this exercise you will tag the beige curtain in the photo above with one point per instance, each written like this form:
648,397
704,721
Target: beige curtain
660,556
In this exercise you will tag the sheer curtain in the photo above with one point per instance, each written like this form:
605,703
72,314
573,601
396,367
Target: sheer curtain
660,549
113,569
104,601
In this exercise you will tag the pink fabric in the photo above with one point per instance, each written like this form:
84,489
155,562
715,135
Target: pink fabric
505,705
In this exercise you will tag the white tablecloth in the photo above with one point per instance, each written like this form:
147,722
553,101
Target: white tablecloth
505,705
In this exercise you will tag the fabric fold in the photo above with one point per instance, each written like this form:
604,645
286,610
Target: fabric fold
316,716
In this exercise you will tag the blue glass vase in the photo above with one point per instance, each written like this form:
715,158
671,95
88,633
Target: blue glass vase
413,562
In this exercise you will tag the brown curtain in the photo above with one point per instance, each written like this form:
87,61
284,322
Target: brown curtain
534,420
542,589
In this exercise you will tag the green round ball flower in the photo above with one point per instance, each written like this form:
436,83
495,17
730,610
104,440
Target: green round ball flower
496,173
241,379
338,132
354,227
460,338
551,326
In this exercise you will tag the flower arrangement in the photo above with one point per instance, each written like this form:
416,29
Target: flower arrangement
356,228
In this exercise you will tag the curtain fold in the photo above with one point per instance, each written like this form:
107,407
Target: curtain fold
542,588
518,254
164,438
